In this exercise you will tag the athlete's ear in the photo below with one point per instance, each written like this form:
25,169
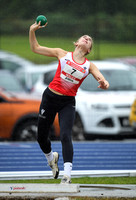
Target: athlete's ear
76,44
88,51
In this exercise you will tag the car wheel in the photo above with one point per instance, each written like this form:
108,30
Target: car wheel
78,129
27,131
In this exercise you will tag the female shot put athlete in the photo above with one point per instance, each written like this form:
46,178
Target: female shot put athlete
60,94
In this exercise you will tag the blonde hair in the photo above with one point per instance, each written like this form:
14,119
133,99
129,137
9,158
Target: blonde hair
91,43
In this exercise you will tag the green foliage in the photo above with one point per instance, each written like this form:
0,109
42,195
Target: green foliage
113,20
25,9
100,26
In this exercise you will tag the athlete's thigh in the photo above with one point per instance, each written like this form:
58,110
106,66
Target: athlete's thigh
47,112
67,117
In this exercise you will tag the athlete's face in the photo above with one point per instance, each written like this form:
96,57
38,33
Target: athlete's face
85,41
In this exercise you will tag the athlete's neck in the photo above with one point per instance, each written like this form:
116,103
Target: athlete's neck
78,55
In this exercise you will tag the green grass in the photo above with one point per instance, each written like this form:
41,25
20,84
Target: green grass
101,50
84,180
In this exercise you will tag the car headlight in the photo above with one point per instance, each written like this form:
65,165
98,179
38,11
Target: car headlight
99,106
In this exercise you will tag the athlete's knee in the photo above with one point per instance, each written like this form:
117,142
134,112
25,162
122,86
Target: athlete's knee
65,136
42,135
44,142
39,138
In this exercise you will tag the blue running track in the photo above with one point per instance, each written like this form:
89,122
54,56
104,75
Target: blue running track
27,156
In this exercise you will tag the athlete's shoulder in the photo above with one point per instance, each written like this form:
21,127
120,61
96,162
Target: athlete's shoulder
61,53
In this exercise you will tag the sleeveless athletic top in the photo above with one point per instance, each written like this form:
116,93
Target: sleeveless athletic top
69,75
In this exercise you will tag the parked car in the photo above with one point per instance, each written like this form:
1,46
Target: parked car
18,117
45,78
100,112
25,71
9,82
12,62
132,116
131,60
29,76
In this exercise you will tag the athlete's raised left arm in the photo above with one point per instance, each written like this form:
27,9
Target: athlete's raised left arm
104,84
43,50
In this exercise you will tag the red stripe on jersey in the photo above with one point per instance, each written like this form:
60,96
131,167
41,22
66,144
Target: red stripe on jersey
77,67
70,76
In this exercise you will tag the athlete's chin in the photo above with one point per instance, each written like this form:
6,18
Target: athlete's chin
84,47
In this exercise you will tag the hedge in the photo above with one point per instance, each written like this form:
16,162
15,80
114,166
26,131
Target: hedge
111,28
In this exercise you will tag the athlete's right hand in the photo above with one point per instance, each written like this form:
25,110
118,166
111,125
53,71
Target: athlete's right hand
36,26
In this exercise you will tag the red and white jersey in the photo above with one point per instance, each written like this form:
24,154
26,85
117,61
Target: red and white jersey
69,75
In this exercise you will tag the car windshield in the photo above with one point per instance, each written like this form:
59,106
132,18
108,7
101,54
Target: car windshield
118,80
9,82
9,65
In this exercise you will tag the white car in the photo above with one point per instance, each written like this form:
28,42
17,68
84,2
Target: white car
45,78
29,76
9,82
25,71
100,112
130,60
12,62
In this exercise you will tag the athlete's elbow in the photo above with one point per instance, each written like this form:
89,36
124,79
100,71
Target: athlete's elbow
34,49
